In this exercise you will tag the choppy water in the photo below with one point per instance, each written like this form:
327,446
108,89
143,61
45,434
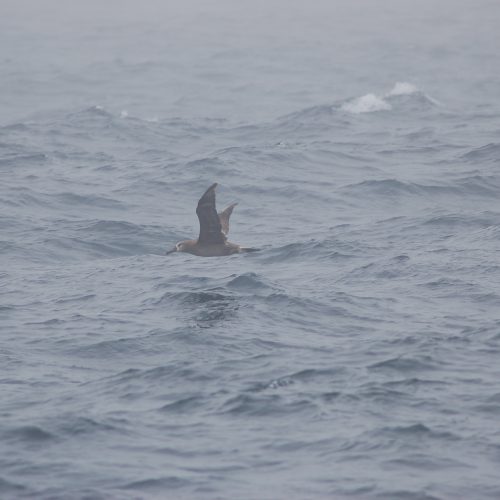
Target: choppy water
355,356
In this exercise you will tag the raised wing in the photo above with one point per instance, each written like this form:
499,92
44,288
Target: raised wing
224,218
210,226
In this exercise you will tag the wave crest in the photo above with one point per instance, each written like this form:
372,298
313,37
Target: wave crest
366,104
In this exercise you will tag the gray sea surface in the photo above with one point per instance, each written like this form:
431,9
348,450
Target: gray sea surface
356,355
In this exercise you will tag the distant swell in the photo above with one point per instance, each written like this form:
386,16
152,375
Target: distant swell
467,186
403,95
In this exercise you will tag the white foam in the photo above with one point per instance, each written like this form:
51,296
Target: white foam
366,104
403,88
124,114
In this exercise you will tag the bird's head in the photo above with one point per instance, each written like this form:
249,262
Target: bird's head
179,247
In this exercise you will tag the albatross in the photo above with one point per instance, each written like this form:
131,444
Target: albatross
214,228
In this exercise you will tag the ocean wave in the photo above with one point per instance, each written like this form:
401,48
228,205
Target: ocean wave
402,88
86,248
22,160
248,282
266,405
183,405
479,221
70,198
95,110
90,239
14,127
405,494
402,96
368,103
75,425
314,376
477,186
108,349
119,228
137,379
207,297
10,487
316,249
406,364
314,112
487,153
418,431
30,434
385,187
157,484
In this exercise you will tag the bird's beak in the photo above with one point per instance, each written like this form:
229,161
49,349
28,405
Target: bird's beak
168,252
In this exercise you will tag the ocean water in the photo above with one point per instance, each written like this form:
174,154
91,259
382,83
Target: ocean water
355,356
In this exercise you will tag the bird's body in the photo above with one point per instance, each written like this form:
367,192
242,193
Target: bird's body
210,250
214,227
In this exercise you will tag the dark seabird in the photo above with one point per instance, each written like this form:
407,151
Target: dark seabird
214,228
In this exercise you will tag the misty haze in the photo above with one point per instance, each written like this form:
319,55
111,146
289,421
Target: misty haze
355,355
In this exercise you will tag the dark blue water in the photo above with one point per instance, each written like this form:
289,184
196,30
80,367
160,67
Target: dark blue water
355,356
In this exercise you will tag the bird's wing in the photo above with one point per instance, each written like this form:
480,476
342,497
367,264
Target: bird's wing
224,218
210,226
